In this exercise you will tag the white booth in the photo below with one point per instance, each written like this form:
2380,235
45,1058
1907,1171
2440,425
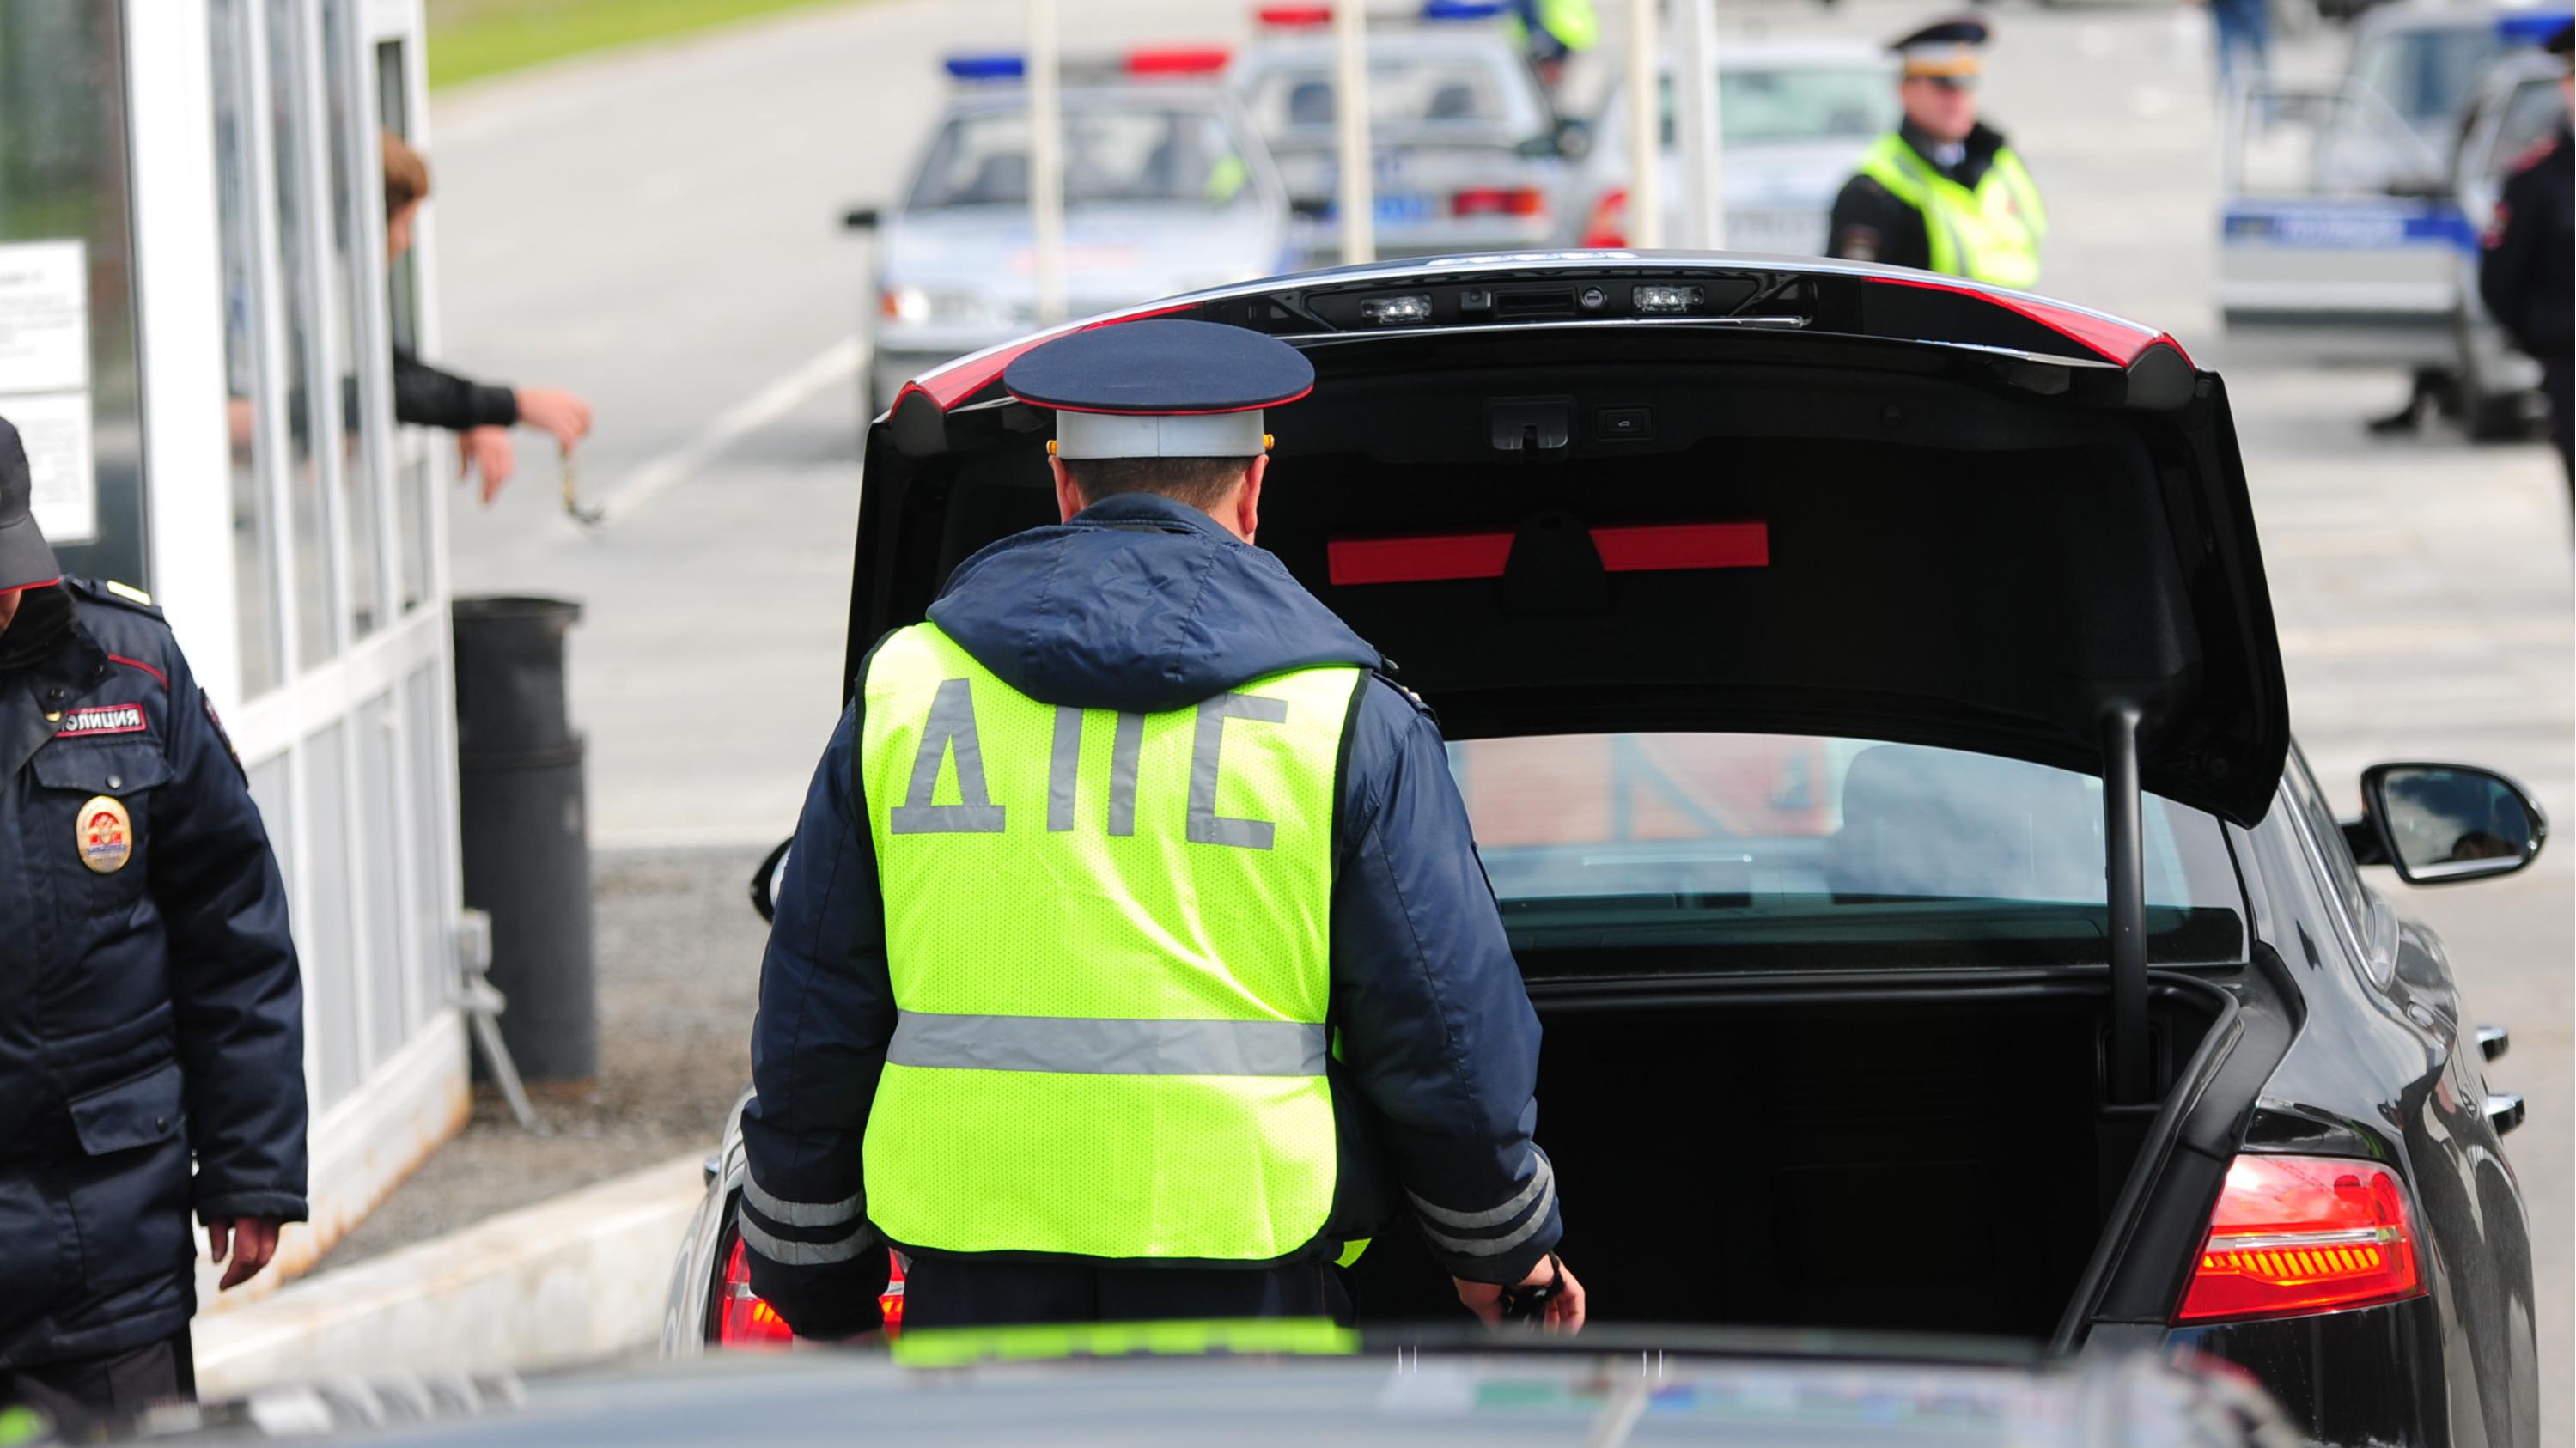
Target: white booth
196,324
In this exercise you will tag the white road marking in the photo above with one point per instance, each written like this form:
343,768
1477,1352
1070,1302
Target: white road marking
837,363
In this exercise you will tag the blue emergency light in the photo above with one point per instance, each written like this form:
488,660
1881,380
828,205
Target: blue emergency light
2530,27
987,67
1461,9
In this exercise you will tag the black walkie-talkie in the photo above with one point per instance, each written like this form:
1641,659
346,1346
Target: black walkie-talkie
1529,1304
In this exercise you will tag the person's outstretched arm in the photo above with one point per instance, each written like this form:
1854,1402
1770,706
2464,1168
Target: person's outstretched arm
817,1047
1436,1027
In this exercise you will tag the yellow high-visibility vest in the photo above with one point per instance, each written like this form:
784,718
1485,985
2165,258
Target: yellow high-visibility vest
1990,234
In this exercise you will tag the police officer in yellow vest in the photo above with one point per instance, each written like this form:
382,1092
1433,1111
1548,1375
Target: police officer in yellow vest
1942,191
1130,898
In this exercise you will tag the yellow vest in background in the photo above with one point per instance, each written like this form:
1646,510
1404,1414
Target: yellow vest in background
1989,234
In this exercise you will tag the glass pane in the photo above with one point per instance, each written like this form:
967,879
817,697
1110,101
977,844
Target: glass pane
324,934
1902,853
379,872
430,869
356,298
412,448
65,246
236,200
315,602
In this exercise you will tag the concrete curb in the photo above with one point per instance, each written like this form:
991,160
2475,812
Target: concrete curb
574,1279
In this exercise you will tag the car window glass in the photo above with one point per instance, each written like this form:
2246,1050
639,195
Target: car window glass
2343,877
2424,74
2531,116
1795,848
1403,92
1110,156
1783,105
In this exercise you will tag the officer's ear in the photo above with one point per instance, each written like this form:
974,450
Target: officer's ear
1247,503
1068,498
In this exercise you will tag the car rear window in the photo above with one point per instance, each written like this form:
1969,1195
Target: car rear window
1725,850
1404,93
1110,155
1784,105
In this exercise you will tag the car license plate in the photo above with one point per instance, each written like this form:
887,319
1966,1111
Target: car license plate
1400,207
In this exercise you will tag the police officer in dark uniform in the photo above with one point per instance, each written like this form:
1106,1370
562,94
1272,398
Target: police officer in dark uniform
1097,852
1943,191
2528,274
150,1011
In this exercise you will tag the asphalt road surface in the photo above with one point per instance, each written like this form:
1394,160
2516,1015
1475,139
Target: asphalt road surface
658,231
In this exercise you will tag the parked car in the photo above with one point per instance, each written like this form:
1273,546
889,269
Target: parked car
1467,153
1794,117
1818,639
1166,189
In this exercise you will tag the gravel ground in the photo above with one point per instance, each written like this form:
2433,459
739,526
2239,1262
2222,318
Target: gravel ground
678,973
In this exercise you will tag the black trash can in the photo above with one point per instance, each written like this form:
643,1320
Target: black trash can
526,839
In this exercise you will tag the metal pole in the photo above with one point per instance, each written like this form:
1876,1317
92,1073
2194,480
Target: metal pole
1357,198
1645,130
1046,163
1695,116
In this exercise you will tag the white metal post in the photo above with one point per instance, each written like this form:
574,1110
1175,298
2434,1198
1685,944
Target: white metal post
1357,197
1695,116
1645,131
1046,162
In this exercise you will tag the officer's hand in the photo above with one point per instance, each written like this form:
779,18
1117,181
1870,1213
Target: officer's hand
489,449
253,1241
1564,1310
553,410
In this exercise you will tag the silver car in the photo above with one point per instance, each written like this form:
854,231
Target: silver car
1167,189
1794,117
1468,155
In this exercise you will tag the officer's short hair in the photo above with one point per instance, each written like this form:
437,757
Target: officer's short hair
1200,482
406,175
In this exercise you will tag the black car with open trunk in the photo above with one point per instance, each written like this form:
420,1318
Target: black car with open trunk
1865,691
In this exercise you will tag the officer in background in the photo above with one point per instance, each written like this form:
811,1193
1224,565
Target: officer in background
1129,893
1942,191
150,1011
2528,273
1551,33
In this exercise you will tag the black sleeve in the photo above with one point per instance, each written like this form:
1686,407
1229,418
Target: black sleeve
234,983
2509,268
431,398
1870,224
817,1047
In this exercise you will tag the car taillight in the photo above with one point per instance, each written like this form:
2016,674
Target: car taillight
1498,201
1608,225
2302,1234
742,1320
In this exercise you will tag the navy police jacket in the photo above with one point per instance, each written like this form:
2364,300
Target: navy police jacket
1144,604
150,1011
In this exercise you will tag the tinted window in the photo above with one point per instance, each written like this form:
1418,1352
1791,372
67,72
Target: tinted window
2425,74
1839,852
1109,156
1407,93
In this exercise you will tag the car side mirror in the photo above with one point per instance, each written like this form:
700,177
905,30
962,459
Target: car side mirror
1573,138
861,218
766,880
2440,823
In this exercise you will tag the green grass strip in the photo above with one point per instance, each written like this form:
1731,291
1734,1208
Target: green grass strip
470,39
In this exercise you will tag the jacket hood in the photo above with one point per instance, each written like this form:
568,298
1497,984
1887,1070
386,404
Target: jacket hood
1140,603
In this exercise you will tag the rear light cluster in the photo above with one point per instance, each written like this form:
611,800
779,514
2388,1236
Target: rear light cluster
743,1322
1608,224
2302,1234
1498,201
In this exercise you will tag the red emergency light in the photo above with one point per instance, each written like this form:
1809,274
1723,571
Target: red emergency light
1294,17
1179,60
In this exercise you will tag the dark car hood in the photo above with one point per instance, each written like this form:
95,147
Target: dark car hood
1139,603
1851,500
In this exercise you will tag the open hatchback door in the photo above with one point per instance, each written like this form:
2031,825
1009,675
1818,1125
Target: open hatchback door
1854,675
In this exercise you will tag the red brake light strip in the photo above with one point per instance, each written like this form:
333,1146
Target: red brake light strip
1450,557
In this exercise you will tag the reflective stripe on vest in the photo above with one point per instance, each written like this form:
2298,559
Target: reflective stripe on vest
1990,234
1107,935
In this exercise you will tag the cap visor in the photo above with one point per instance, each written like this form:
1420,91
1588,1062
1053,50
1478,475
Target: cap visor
25,558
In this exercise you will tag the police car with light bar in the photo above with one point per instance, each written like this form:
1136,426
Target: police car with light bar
1468,153
1167,187
2341,239
1960,944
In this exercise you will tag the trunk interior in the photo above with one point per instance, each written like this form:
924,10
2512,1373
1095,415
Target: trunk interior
1906,1162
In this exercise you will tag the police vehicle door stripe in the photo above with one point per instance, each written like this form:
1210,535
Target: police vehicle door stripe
1089,1046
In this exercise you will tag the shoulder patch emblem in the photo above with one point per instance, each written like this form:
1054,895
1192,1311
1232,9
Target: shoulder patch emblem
128,592
220,733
